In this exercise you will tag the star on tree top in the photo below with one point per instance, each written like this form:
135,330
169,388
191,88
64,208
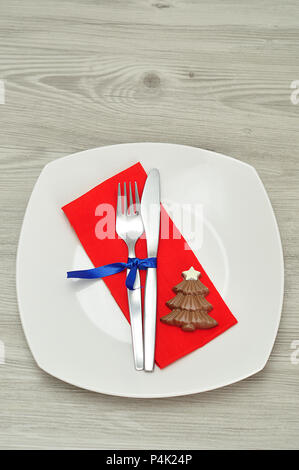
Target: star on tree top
191,274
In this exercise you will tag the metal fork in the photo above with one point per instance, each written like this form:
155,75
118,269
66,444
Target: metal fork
129,227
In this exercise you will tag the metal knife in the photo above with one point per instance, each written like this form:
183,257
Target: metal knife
150,212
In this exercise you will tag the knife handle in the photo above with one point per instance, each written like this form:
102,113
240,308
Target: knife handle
150,314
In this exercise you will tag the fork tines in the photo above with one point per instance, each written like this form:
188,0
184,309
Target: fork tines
122,200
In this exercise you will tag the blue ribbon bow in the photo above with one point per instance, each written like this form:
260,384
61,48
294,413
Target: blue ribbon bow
133,264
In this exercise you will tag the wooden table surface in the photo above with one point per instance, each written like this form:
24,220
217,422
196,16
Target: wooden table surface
84,73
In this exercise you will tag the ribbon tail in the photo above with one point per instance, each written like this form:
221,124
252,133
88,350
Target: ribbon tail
96,273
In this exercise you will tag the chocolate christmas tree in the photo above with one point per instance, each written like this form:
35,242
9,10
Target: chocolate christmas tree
189,307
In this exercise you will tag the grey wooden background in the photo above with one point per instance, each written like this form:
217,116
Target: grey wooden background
86,73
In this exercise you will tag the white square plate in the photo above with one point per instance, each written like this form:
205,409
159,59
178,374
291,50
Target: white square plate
75,329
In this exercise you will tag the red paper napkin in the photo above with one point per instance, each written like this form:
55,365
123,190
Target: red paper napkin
88,220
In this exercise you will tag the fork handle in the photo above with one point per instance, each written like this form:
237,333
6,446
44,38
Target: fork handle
150,314
134,298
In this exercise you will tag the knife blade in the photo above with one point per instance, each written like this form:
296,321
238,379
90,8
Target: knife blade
150,212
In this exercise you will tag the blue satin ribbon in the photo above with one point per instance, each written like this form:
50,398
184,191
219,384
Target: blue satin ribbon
133,264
